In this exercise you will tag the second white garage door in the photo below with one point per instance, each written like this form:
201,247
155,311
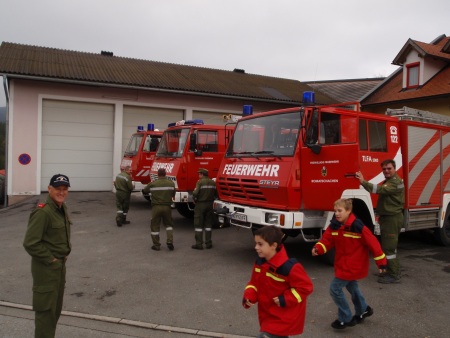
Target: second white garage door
77,140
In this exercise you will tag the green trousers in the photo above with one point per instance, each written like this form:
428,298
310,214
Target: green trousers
161,213
203,222
390,227
48,292
123,205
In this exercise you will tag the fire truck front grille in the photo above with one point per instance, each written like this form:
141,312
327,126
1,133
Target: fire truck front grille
245,189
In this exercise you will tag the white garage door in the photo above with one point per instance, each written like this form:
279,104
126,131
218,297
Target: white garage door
210,118
134,116
77,140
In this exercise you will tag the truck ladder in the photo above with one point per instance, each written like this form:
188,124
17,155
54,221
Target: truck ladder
413,114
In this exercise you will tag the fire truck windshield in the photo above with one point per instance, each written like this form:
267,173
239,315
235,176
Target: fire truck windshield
134,144
271,135
173,143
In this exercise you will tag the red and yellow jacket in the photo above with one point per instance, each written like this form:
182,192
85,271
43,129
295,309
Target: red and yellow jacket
352,242
284,278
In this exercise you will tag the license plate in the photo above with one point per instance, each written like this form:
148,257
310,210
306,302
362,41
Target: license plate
239,217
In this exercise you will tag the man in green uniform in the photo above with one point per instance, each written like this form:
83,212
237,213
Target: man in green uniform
47,240
124,187
204,195
162,193
390,206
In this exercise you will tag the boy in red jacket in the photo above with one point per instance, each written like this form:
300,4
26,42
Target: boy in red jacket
280,286
352,241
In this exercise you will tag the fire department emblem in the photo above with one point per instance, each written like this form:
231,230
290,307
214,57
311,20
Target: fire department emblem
324,171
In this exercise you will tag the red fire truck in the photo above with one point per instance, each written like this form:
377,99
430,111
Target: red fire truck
287,167
140,153
185,147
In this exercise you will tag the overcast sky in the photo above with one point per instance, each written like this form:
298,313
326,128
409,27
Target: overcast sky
294,39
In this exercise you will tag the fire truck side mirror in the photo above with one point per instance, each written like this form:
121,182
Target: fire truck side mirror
193,142
315,148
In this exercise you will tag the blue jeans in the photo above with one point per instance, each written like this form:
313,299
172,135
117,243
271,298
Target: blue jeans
336,292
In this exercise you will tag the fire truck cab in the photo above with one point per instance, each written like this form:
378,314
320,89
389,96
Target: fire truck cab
140,153
287,167
187,146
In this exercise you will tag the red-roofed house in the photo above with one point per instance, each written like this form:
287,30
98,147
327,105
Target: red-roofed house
422,81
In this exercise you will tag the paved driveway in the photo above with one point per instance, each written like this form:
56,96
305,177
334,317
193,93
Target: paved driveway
112,272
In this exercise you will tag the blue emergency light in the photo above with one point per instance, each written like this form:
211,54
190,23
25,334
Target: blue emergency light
140,128
185,122
247,110
308,98
151,127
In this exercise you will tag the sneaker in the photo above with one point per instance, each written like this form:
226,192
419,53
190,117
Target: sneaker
360,318
170,246
388,279
156,248
337,324
197,247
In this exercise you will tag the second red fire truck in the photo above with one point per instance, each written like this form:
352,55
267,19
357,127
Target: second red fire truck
287,167
140,153
185,147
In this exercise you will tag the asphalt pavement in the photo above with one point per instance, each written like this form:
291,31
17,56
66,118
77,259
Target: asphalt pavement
118,287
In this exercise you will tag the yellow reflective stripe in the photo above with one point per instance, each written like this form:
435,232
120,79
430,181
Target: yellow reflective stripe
379,257
351,235
257,270
296,295
268,274
334,233
251,287
323,247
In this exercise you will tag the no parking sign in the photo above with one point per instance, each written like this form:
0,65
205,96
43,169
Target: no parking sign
24,159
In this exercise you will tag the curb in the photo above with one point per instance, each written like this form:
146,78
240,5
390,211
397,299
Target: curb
122,321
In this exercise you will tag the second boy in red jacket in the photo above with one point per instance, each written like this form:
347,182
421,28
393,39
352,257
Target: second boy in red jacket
352,241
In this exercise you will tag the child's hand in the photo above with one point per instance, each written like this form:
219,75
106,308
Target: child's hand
248,303
314,251
276,301
382,271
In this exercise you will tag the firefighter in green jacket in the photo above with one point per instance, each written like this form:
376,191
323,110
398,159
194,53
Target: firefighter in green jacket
204,195
47,241
162,193
390,206
124,187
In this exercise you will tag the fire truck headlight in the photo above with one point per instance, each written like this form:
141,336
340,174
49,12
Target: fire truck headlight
271,218
274,219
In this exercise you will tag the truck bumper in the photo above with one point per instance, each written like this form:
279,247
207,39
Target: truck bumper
248,217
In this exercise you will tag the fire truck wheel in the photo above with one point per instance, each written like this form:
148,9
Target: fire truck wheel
186,209
442,235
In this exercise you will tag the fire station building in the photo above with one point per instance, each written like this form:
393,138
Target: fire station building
74,112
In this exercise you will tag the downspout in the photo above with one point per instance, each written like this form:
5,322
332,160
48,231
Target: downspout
5,86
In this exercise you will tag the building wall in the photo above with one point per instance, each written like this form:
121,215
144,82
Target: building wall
25,120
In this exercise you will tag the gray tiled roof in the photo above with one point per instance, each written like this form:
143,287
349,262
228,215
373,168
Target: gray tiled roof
72,66
352,90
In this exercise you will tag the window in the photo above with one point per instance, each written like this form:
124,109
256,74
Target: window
207,141
330,129
363,135
412,75
372,135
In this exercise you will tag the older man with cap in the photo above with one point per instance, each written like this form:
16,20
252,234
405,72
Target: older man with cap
47,241
163,192
204,195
